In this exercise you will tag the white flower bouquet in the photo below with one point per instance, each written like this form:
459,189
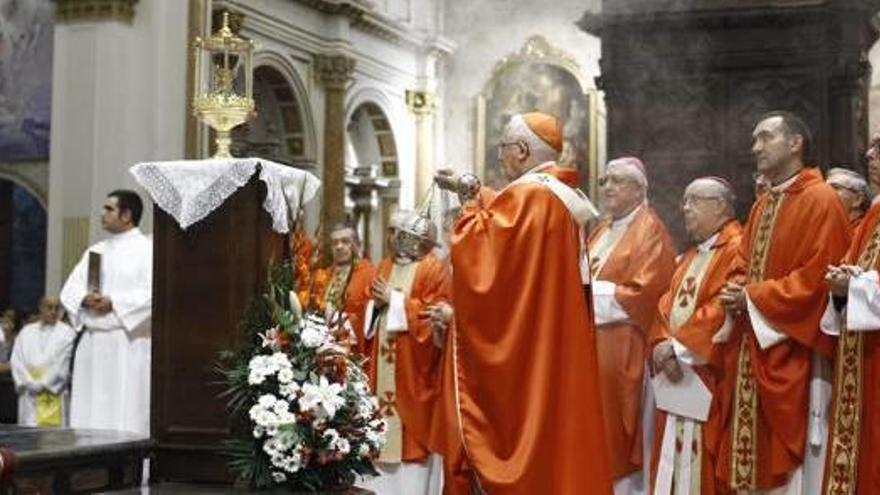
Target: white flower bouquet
306,418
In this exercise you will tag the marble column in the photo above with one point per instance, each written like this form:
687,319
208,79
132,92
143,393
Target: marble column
335,72
422,104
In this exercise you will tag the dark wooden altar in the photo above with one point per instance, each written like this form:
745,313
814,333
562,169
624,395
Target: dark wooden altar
66,460
204,278
685,81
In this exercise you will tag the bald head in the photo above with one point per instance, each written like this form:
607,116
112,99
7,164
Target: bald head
50,310
708,204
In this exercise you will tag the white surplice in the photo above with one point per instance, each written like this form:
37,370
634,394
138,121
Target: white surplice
40,363
111,372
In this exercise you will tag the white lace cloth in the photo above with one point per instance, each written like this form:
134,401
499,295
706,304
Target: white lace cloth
189,190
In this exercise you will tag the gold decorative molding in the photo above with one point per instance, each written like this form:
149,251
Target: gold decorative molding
536,50
420,102
94,10
334,70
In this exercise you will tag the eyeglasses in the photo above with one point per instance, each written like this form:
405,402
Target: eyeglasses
615,180
838,187
692,199
502,144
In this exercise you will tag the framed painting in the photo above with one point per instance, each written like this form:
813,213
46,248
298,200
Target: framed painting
538,78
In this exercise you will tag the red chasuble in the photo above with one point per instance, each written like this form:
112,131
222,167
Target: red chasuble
524,347
791,238
695,289
641,265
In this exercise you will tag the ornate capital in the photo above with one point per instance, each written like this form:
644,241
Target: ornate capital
334,70
94,10
420,102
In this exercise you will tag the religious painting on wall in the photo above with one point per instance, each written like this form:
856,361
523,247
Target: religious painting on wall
537,78
26,38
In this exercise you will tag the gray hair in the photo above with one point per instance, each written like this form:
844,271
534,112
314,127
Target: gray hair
854,181
719,188
540,151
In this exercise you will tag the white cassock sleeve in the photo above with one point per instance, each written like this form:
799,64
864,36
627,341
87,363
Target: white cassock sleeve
20,374
396,321
863,303
766,335
605,305
830,322
59,372
685,355
134,305
74,290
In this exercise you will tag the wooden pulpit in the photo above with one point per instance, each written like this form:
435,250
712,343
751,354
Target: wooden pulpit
203,279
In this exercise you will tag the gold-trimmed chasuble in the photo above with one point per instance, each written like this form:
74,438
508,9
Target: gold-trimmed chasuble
743,472
401,279
843,451
687,466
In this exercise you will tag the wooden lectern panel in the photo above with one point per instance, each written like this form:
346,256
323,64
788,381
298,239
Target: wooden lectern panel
204,278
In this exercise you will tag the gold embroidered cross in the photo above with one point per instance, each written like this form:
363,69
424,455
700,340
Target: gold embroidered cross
389,350
687,291
386,404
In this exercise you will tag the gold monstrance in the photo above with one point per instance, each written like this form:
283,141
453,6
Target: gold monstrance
215,100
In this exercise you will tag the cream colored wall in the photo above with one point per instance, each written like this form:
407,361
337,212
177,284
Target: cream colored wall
485,32
118,97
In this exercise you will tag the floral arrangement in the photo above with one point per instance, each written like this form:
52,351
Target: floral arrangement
302,411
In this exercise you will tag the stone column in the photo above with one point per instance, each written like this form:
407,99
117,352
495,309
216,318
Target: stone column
335,72
422,104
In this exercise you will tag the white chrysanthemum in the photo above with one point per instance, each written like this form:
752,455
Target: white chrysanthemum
285,375
279,361
280,407
267,400
279,477
342,446
288,390
331,435
363,450
258,369
312,336
293,462
271,447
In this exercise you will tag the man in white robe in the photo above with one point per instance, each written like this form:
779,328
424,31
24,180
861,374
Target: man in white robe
111,369
41,368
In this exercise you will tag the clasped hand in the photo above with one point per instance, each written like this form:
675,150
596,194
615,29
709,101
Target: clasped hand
733,298
439,316
665,362
380,291
98,303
